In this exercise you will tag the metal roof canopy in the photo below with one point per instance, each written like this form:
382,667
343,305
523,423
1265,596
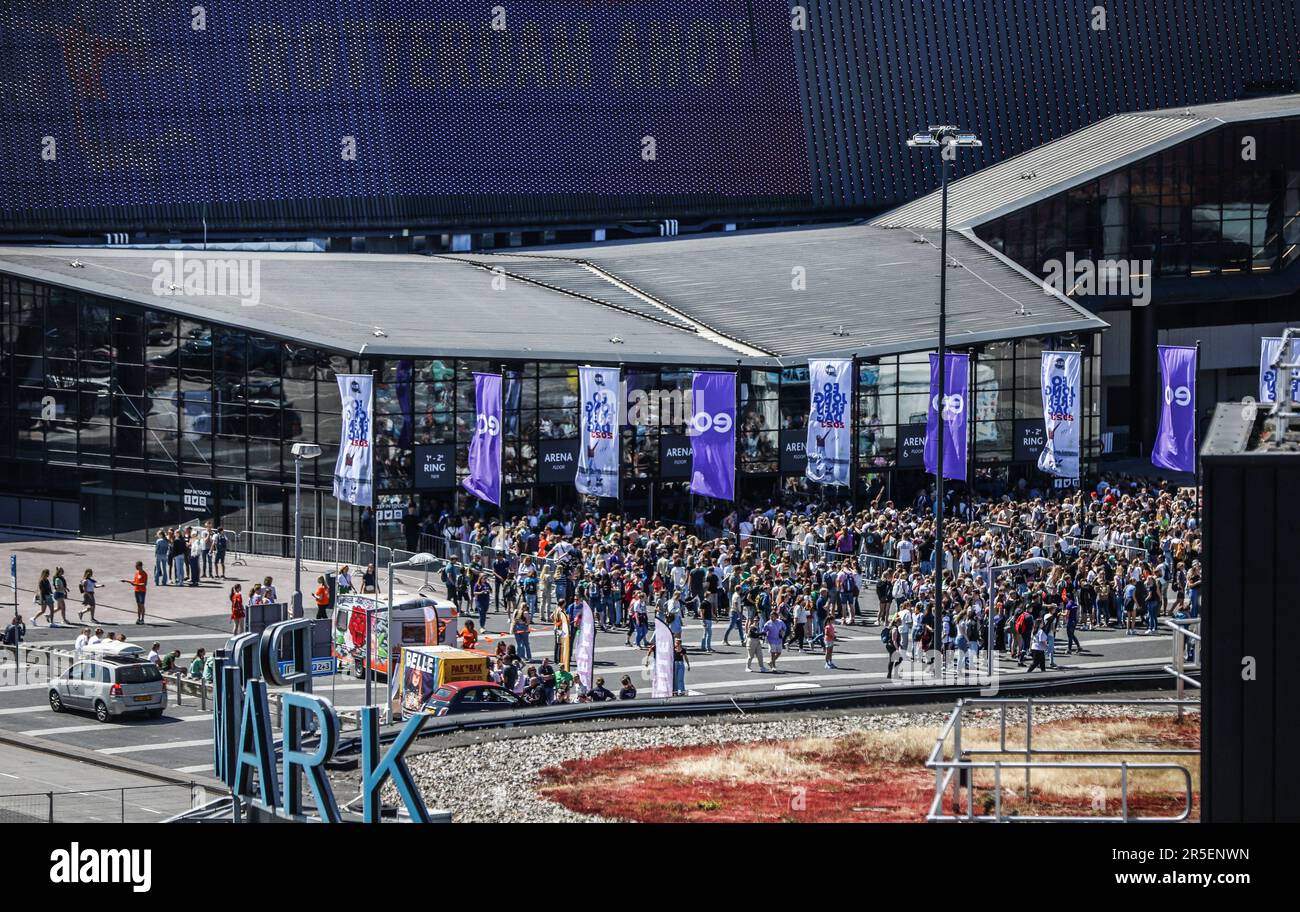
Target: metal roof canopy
704,299
1076,158
866,290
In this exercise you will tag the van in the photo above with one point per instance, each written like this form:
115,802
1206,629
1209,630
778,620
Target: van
110,686
421,621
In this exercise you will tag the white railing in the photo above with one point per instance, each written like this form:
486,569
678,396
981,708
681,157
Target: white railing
959,770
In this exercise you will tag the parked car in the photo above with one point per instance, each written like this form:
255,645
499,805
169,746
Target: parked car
464,697
110,686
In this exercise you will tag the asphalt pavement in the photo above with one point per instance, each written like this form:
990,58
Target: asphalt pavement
181,617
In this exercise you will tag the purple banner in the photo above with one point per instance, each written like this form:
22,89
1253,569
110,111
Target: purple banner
956,379
484,480
713,434
1175,446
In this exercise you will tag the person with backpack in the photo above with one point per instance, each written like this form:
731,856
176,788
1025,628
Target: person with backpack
889,638
14,634
884,595
1024,629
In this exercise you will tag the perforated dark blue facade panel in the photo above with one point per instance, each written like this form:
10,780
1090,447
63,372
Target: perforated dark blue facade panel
126,116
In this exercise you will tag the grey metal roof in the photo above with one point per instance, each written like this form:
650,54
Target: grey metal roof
574,278
698,299
1076,158
423,305
869,290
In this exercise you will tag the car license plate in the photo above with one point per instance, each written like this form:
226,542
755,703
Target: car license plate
143,698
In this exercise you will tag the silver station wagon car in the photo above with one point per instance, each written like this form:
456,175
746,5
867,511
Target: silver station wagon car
110,686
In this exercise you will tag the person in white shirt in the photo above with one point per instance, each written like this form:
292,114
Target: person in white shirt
904,627
96,637
154,655
905,552
82,640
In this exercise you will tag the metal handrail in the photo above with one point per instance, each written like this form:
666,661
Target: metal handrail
951,772
1050,538
1179,667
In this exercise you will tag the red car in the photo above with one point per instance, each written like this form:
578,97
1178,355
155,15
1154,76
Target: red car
462,697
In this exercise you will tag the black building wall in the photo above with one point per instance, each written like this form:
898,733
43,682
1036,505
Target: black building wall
161,128
1250,730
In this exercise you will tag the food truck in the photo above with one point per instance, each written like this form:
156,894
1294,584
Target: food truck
420,621
426,668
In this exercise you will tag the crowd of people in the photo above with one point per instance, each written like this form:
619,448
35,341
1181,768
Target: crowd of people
1017,575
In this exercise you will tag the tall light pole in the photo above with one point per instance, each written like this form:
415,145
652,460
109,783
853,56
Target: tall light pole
947,139
301,451
423,559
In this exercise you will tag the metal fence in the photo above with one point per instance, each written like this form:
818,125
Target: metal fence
131,804
955,767
1047,541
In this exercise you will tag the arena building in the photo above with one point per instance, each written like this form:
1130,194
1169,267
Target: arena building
142,388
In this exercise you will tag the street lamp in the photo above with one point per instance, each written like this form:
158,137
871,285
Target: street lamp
1031,563
301,451
947,139
423,559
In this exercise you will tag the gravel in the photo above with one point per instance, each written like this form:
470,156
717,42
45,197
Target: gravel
496,781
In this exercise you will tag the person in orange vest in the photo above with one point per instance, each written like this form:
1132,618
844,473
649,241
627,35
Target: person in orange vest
140,583
322,594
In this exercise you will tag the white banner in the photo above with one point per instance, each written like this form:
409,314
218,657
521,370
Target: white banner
662,683
587,647
1268,349
598,466
354,476
1061,407
829,446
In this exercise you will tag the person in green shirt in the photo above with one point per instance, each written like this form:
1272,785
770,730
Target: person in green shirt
199,663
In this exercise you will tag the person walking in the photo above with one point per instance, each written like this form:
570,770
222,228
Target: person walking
87,586
1038,649
736,622
59,585
891,639
754,643
139,585
161,563
482,598
236,609
775,630
44,598
322,597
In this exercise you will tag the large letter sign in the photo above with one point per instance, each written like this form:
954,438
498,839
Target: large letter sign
829,442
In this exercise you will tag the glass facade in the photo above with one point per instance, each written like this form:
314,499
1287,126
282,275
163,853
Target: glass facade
147,419
1225,203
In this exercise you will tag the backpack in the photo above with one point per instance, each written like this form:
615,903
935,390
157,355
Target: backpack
1022,623
887,636
972,630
